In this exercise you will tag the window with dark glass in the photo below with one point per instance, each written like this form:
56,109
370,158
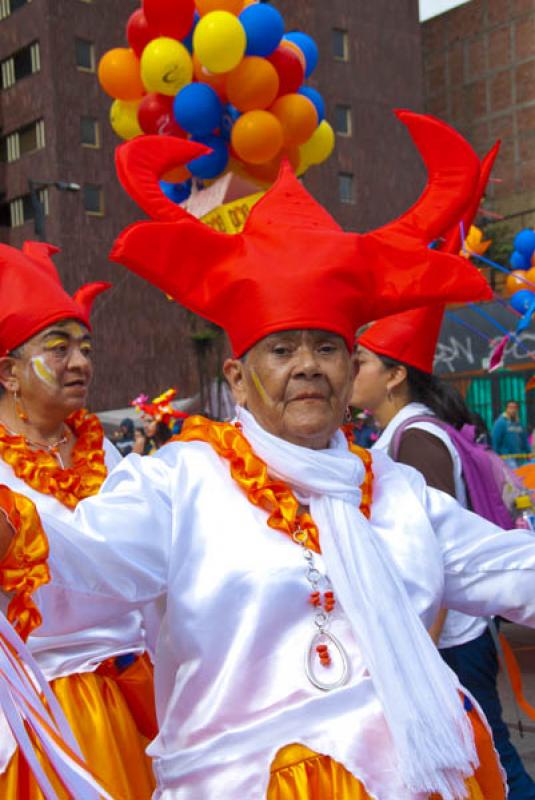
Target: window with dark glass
89,132
342,120
340,44
93,199
346,188
85,54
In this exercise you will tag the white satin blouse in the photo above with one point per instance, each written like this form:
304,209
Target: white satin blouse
231,687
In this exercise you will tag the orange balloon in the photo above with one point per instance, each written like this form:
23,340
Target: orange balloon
253,84
177,174
267,173
256,137
216,81
119,76
515,280
205,6
298,117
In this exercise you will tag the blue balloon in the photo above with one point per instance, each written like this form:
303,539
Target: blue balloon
176,192
230,115
308,47
525,242
519,260
315,97
264,27
213,164
522,300
197,109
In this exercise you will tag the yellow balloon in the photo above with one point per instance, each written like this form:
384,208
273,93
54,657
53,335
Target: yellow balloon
123,118
320,145
219,41
166,66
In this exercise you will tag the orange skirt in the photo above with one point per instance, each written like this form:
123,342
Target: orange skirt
298,773
110,741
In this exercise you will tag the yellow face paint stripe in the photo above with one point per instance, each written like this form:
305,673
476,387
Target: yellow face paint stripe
259,388
56,342
43,372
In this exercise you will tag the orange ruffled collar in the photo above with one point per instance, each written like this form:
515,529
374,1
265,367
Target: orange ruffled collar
41,471
251,474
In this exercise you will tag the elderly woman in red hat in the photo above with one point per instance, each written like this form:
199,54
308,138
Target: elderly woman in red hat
53,454
299,572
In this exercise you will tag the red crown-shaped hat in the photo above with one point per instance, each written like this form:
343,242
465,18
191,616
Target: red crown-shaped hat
32,294
412,337
293,267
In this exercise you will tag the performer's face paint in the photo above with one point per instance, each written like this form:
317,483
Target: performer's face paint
296,384
55,367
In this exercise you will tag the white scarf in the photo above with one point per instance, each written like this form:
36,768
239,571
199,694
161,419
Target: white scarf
430,730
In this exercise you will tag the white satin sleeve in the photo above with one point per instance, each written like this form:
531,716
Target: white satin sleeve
487,570
113,554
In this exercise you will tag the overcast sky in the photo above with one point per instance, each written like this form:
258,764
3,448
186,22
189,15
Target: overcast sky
430,8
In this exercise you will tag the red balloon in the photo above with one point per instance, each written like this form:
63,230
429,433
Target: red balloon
289,68
172,18
155,115
138,32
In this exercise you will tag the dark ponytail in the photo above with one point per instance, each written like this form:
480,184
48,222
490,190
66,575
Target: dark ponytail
443,399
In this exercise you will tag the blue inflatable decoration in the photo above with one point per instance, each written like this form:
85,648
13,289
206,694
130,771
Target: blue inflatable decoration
525,243
176,192
308,47
213,164
230,115
315,97
522,300
198,109
264,28
519,261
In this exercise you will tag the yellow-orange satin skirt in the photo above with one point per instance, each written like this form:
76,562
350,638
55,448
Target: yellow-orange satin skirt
298,773
110,740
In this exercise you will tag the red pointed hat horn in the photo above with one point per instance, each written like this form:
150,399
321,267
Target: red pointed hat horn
293,267
84,297
140,165
412,337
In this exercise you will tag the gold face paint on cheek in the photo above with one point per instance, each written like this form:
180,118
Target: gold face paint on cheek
260,389
43,372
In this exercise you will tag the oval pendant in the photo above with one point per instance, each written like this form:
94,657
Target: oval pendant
338,669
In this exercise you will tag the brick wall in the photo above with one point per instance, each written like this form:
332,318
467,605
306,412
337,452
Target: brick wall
479,74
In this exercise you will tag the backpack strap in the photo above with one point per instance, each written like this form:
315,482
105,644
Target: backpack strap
393,450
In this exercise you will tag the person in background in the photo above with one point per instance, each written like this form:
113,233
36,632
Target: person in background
123,438
395,381
53,453
509,437
365,431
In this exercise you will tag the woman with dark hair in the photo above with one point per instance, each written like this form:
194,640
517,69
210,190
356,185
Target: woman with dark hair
395,383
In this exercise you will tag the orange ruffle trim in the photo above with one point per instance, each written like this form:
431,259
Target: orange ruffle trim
251,474
41,471
23,569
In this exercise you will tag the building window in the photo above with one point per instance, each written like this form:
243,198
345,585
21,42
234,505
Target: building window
7,7
93,200
20,210
346,187
340,44
85,55
342,120
21,64
89,132
25,140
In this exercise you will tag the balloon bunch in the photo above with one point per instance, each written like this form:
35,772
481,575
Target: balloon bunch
224,73
518,284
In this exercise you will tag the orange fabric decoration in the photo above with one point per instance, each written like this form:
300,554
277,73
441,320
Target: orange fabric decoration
136,683
515,677
23,569
41,471
251,475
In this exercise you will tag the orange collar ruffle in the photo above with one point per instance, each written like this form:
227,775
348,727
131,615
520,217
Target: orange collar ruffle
251,475
40,470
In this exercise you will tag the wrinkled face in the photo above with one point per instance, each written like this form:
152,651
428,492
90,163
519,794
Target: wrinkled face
54,368
296,384
372,380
